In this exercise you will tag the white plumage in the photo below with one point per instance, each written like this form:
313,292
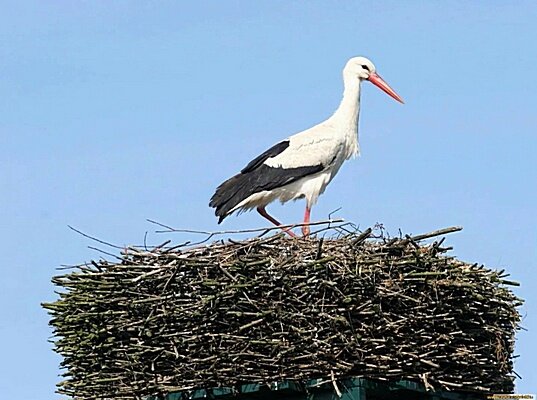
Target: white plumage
302,165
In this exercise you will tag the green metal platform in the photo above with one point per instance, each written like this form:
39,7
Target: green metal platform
349,389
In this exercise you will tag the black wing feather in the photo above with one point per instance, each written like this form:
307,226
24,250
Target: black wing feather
224,192
257,177
272,152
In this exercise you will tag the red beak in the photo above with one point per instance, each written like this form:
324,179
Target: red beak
376,80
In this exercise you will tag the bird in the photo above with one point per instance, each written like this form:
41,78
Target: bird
302,165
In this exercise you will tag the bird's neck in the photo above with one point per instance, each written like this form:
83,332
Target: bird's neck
345,119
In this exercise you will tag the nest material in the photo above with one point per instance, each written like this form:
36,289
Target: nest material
271,309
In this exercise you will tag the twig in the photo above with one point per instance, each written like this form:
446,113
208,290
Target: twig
361,237
437,233
270,228
334,383
93,238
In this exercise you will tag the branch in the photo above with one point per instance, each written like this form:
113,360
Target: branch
169,229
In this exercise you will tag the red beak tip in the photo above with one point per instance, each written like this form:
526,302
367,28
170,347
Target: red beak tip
376,80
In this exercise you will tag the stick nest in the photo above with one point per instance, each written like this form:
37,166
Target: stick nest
270,309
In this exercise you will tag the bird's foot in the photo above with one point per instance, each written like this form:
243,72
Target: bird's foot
306,230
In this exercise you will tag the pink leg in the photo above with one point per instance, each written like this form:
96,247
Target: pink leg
306,228
264,213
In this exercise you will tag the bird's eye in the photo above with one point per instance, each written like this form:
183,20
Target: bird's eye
366,67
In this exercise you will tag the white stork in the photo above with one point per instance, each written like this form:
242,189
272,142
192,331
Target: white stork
302,165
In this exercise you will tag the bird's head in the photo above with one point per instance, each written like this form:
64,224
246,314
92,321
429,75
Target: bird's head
362,68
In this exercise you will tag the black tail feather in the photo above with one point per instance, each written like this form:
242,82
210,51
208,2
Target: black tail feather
228,195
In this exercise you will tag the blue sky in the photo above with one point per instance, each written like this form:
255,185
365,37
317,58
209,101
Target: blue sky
112,112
